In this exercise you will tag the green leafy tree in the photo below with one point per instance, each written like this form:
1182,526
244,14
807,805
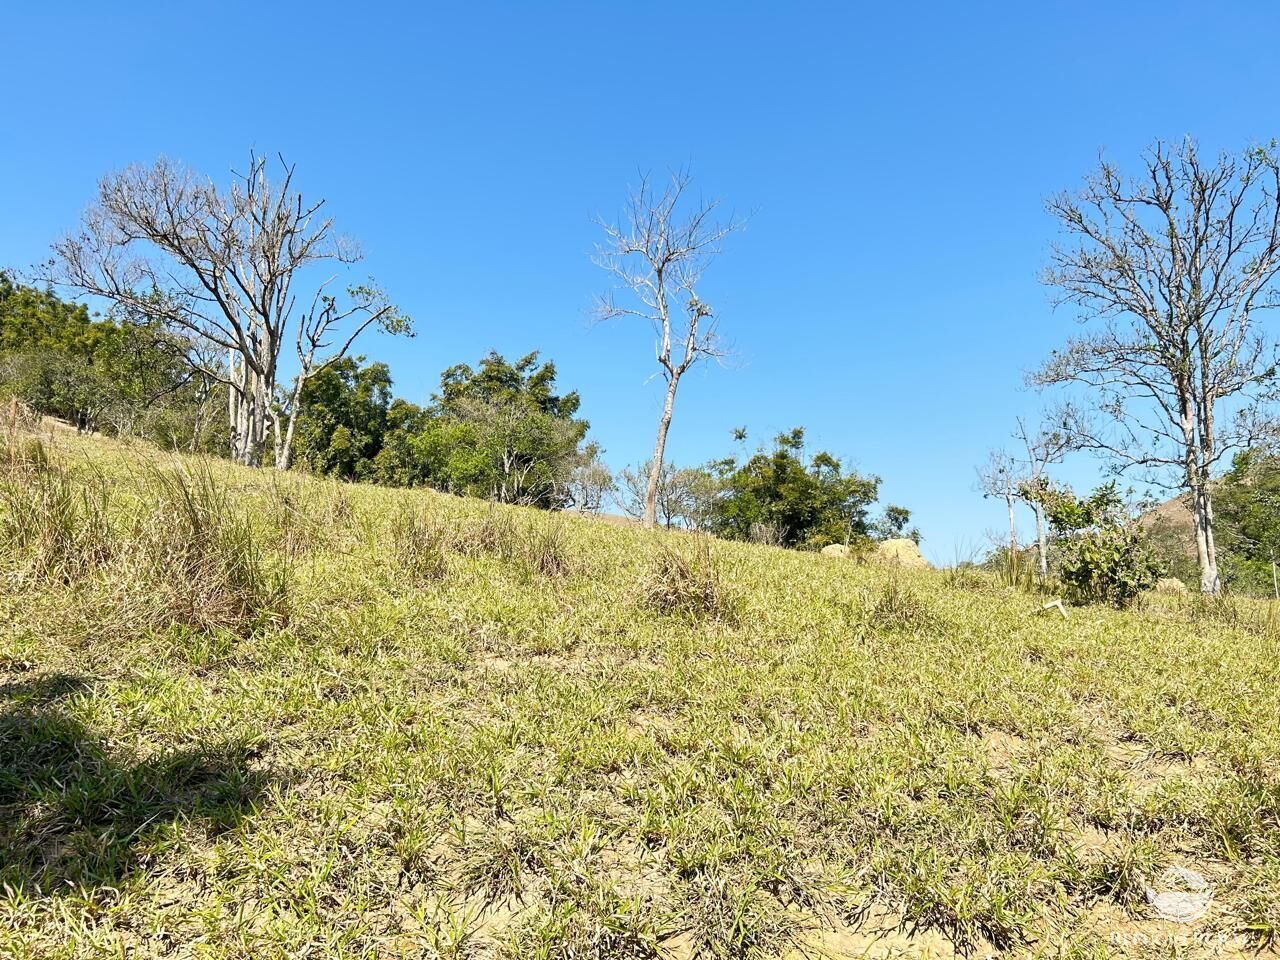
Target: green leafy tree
397,463
500,431
1247,505
503,432
894,524
125,375
780,497
343,418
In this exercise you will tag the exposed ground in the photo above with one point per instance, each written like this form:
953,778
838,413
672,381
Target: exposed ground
251,716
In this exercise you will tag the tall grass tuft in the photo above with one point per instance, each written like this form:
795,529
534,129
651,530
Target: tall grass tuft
546,550
1018,572
420,546
58,526
23,455
203,552
686,582
296,531
898,607
494,534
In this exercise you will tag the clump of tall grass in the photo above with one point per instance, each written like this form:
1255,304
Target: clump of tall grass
1018,571
899,607
23,455
202,552
966,573
539,544
494,534
420,546
297,532
545,549
194,554
1258,616
16,418
966,577
57,527
1215,609
686,582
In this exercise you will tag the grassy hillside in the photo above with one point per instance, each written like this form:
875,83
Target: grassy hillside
244,715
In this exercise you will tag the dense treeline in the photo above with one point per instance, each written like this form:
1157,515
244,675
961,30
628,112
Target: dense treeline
126,377
778,496
500,430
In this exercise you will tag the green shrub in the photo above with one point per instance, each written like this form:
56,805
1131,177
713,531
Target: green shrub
1107,565
1102,555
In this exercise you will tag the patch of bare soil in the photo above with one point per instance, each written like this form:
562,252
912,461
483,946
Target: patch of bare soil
880,934
1002,749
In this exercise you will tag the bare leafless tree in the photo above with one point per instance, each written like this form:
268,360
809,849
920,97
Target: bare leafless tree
591,483
657,253
632,490
221,268
1000,478
1171,268
1044,446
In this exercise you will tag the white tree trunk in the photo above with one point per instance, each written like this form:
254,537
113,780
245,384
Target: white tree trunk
1042,541
1206,550
1010,500
247,412
659,450
284,447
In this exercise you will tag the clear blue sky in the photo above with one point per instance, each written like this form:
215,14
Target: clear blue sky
895,159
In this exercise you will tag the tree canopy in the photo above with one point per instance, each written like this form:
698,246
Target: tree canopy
125,376
500,430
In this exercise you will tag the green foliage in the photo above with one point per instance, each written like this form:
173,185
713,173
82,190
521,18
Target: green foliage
893,525
500,432
804,503
1247,521
124,376
1110,565
344,418
1102,557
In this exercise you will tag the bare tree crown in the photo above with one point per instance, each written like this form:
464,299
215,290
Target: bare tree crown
221,266
657,253
1172,268
1174,265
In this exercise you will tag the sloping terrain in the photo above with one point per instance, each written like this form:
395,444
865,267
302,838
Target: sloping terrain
249,715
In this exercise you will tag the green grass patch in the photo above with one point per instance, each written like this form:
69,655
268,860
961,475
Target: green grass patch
244,715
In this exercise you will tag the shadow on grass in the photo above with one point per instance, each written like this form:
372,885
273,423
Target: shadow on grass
71,815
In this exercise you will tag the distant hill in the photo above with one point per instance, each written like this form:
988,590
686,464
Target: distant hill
1171,520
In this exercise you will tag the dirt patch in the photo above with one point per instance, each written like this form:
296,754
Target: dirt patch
880,934
1146,768
1002,749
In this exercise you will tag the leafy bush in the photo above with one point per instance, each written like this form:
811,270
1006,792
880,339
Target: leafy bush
1102,556
1109,565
